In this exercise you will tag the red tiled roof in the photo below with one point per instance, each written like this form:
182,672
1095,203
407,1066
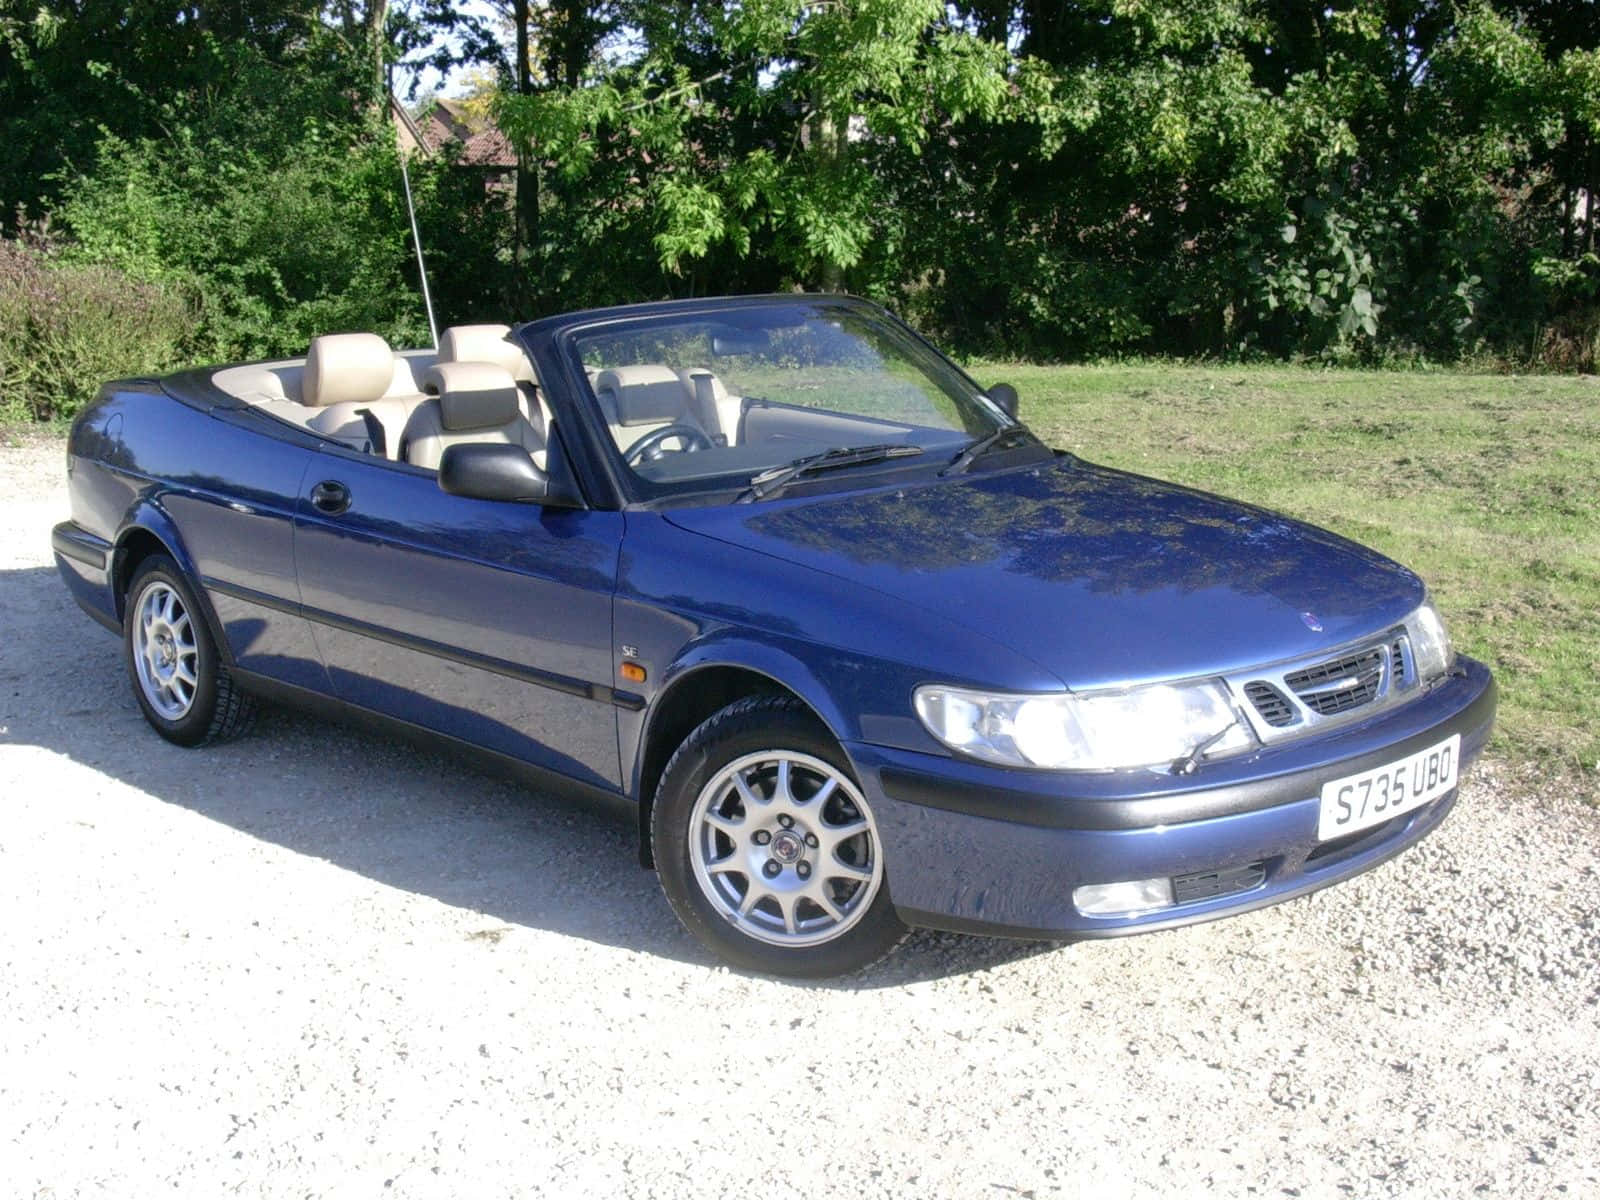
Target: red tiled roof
482,143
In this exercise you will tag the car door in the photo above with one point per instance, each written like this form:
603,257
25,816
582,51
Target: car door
235,517
485,620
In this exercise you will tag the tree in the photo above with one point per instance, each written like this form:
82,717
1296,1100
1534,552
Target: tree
252,74
754,131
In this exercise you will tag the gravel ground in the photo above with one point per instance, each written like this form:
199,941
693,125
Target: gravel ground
317,962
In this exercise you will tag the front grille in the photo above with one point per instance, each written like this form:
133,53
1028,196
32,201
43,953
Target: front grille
1270,703
1400,674
1340,684
1295,698
1208,885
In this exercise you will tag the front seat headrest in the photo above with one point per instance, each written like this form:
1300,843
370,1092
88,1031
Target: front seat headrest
474,395
644,394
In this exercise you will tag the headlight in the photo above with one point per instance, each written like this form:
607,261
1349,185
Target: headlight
1096,731
1430,644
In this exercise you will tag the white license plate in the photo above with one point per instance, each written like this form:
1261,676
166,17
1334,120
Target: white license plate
1361,801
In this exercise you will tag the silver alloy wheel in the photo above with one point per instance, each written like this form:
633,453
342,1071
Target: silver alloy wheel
785,848
164,650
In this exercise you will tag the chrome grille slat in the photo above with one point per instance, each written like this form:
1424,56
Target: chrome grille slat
1340,684
1293,698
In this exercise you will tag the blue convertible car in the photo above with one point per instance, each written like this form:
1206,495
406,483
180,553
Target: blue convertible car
862,652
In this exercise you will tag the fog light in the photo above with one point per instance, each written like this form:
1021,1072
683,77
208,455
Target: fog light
1122,899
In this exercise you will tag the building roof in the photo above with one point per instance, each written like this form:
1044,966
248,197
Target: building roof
444,121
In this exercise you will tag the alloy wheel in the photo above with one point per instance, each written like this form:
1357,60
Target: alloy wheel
785,848
164,651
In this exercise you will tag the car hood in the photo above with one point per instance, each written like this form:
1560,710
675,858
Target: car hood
1097,575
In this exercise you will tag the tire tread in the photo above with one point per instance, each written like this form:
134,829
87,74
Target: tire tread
234,711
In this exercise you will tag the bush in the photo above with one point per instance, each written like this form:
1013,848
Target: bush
65,329
277,250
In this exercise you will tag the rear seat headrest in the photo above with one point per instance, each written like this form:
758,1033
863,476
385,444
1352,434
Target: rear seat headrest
644,394
346,367
474,395
485,343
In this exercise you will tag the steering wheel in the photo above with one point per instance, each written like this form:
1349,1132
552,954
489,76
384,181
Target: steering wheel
649,448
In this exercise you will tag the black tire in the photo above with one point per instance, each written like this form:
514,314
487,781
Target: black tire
862,926
211,708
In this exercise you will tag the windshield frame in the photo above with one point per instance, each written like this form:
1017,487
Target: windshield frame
638,491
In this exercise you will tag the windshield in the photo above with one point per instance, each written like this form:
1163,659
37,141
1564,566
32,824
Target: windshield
715,399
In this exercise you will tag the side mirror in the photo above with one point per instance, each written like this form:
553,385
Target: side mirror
493,471
1005,396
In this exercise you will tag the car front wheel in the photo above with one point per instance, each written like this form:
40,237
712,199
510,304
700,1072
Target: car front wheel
182,687
766,847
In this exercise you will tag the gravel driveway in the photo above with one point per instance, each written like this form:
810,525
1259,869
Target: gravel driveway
320,962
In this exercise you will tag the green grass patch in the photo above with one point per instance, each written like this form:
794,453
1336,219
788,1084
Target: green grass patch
1486,485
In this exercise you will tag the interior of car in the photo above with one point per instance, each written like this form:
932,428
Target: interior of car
479,386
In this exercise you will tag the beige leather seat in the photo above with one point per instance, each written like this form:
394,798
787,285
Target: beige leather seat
493,344
716,409
485,343
477,402
346,373
639,399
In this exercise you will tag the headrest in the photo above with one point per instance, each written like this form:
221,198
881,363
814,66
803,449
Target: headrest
644,394
346,367
474,395
485,343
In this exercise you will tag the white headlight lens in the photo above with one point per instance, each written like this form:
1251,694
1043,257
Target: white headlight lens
1146,726
1430,644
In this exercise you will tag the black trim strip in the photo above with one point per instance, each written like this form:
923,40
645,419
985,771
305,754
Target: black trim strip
605,797
70,540
264,599
467,658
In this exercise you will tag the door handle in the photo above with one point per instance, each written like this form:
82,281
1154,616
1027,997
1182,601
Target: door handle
331,497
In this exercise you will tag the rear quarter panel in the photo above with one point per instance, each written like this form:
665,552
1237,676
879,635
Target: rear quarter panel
217,486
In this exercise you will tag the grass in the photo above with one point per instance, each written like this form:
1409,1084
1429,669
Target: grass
1486,485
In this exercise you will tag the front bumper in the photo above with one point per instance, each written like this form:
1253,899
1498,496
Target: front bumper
987,849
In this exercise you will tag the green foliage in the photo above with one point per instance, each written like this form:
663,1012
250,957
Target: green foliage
275,251
65,329
248,75
768,143
1359,181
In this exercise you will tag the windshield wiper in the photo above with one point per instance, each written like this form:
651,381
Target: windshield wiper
775,479
1190,762
982,446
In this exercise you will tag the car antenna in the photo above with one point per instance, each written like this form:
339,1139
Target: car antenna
411,211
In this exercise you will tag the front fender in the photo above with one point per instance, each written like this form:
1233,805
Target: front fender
729,648
723,650
719,650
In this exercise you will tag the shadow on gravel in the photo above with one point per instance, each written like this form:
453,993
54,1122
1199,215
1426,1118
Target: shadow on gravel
404,816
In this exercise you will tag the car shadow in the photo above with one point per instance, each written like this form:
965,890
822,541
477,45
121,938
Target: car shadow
403,815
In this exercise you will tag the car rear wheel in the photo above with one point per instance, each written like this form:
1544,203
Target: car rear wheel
178,678
766,847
